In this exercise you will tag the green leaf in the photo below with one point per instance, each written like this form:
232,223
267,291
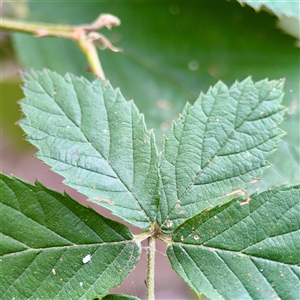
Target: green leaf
281,8
169,59
243,250
218,145
90,135
54,248
119,297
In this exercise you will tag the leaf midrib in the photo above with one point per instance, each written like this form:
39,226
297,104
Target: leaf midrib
54,232
87,140
102,274
216,153
65,247
215,250
274,193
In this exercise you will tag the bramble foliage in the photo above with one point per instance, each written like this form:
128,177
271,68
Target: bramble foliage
222,244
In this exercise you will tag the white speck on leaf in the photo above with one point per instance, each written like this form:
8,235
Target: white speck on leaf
53,271
86,259
81,283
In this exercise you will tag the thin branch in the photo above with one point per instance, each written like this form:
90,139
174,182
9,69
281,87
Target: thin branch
83,35
38,29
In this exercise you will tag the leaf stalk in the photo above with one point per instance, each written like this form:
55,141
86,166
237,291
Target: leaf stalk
90,51
151,267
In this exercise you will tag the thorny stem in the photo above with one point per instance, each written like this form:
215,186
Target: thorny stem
83,35
151,267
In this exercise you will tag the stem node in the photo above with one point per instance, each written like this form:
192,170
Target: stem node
83,35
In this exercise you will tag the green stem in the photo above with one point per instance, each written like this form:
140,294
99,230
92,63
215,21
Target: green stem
151,267
39,29
90,51
81,34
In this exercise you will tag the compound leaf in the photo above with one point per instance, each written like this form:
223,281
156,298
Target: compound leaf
160,83
243,250
89,134
218,147
54,248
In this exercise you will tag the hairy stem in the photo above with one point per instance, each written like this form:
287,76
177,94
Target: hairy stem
38,29
151,267
90,51
83,35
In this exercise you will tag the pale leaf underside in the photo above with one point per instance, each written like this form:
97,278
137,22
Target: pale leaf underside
90,135
218,147
281,8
